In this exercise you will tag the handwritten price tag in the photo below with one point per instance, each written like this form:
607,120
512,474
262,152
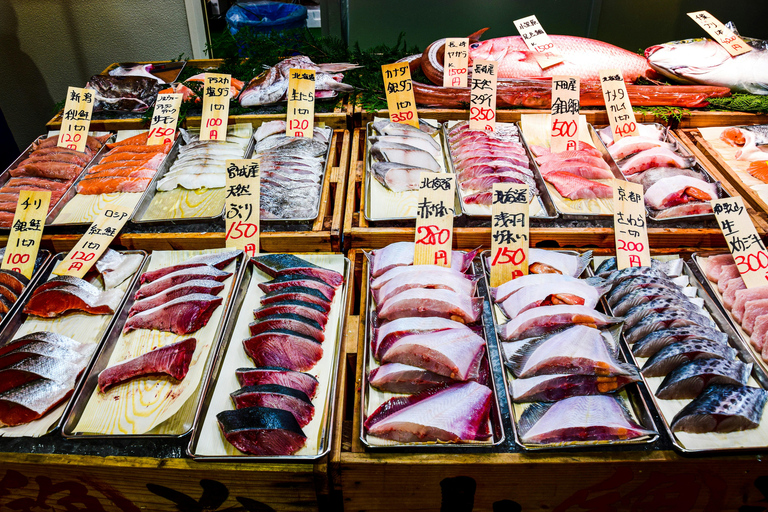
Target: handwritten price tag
745,244
243,205
509,232
732,43
565,114
399,88
629,225
538,41
434,219
456,62
300,121
617,105
76,119
482,102
26,231
164,119
215,107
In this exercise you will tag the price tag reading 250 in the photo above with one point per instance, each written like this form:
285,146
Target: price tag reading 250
482,99
629,225
743,241
399,88
509,232
242,206
434,219
216,96
26,231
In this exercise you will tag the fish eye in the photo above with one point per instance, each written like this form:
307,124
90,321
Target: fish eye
474,45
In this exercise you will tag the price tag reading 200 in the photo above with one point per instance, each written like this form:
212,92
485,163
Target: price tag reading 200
482,99
629,225
216,96
743,241
434,219
300,120
399,88
509,232
565,114
76,119
242,206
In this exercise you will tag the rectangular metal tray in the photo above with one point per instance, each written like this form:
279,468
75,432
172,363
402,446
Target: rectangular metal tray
329,410
497,425
633,391
101,360
33,282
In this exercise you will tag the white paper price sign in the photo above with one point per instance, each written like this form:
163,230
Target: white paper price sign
26,231
434,219
456,62
243,206
565,114
216,96
631,231
620,113
162,130
400,99
747,248
732,43
509,232
300,120
538,41
76,119
482,100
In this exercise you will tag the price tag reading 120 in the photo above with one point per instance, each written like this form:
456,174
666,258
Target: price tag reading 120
243,206
732,43
94,242
565,114
216,96
399,88
300,120
76,119
26,231
629,225
743,241
434,219
482,90
456,62
536,39
164,119
509,232
620,113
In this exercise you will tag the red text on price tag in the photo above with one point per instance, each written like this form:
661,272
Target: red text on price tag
434,219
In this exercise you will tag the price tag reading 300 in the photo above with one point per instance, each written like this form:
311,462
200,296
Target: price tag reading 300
565,114
76,119
399,88
629,225
509,232
26,231
482,99
434,219
216,96
243,206
743,241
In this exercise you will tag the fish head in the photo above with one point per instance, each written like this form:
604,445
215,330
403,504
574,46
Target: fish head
687,59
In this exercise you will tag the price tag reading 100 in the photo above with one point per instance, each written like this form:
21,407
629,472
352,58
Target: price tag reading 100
216,96
26,231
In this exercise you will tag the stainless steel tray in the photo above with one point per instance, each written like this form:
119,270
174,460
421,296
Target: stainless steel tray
33,282
108,346
497,427
329,410
72,192
632,391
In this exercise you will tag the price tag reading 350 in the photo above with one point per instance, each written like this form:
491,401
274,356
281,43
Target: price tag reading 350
164,119
399,88
94,242
620,113
300,121
434,219
629,225
243,206
482,99
743,241
537,40
509,232
732,43
76,119
565,114
456,62
213,125
26,231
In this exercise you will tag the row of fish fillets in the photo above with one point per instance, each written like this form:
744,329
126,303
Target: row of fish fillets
287,338
13,284
672,185
401,152
563,355
481,159
574,173
202,163
684,355
291,171
428,341
128,166
46,167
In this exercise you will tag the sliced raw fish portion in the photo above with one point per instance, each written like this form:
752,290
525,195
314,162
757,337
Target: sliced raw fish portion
714,264
745,296
627,146
509,288
401,254
287,264
290,321
42,348
688,380
676,354
57,281
181,276
404,154
551,388
658,305
575,187
218,260
13,280
114,277
546,262
262,431
684,210
578,169
276,375
305,309
45,337
284,348
423,302
727,273
387,333
398,177
299,293
666,320
729,296
204,286
275,396
32,401
655,157
56,301
752,310
650,176
722,408
576,292
403,378
288,281
430,146
36,367
629,285
410,272
183,315
538,321
644,295
445,278
676,190
655,341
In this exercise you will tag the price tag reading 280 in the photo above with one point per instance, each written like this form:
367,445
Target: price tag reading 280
243,206
565,114
26,231
94,242
76,119
743,241
164,119
482,102
216,96
300,120
509,232
434,219
400,99
629,225
620,113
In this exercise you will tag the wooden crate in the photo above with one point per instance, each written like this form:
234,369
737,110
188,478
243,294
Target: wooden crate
514,481
359,233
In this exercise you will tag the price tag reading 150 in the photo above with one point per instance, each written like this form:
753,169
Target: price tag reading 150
76,119
509,232
216,96
26,231
482,99
565,114
164,119
743,241
434,219
242,206
400,99
300,120
629,225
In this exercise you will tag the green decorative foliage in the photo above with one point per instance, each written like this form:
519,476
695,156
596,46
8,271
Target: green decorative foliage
741,103
664,113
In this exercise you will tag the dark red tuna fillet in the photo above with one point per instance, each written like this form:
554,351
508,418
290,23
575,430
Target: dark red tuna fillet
262,431
181,276
13,280
208,286
282,282
172,360
276,396
32,401
301,293
290,321
180,316
277,375
218,260
281,347
47,337
38,367
287,264
305,309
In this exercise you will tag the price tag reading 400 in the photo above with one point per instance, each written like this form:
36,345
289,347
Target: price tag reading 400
434,219
216,96
76,119
300,121
482,99
620,113
509,232
537,40
565,114
26,231
399,88
94,242
732,43
743,241
629,225
243,206
456,62
164,119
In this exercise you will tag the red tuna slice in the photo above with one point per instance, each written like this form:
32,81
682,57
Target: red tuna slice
290,321
284,348
400,254
300,293
454,353
39,367
454,414
13,280
403,378
56,301
432,302
389,332
262,431
172,360
218,260
714,265
287,264
277,375
207,286
288,281
180,276
42,348
181,316
275,396
305,309
46,337
32,401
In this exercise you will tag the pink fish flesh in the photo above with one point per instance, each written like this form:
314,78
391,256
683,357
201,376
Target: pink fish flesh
432,302
276,396
574,187
729,296
389,332
403,378
745,296
714,264
538,321
277,375
284,348
727,273
627,146
445,278
290,321
180,316
655,157
677,190
508,289
576,292
752,310
401,253
305,309
684,210
551,388
218,260
505,175
406,272
580,170
542,154
552,161
207,286
206,272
